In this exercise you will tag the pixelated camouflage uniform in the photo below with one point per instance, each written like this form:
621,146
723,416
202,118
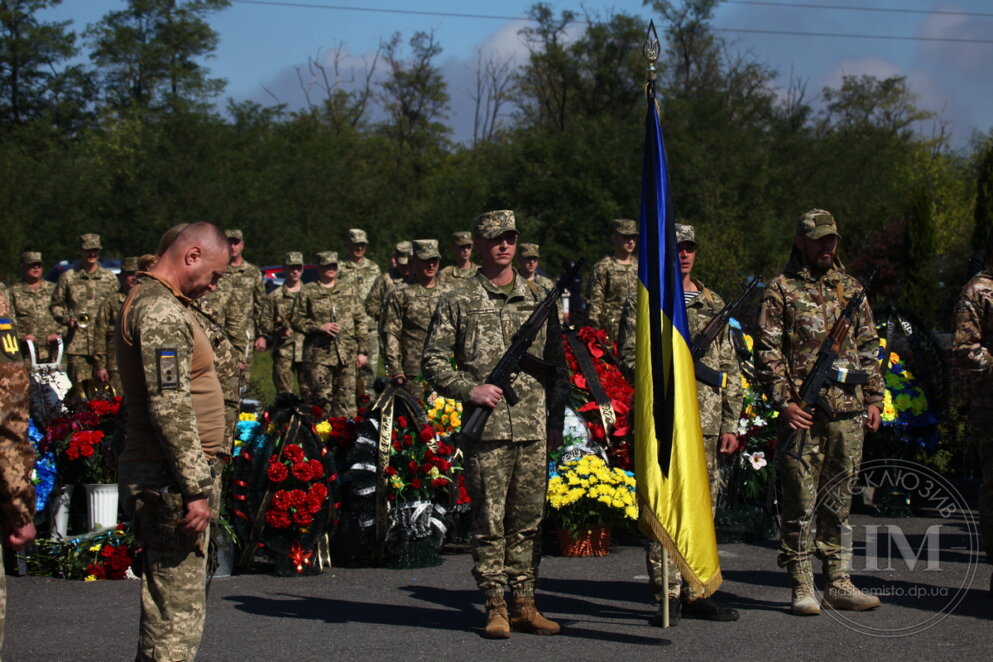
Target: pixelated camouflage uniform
972,347
17,497
175,428
452,275
406,318
610,284
374,303
31,308
104,356
287,350
329,362
221,316
544,282
505,471
246,288
79,292
798,310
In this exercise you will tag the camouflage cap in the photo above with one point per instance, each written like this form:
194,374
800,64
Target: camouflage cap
528,250
492,224
462,238
685,233
89,242
234,234
357,236
294,258
817,223
624,226
129,264
324,258
425,249
30,257
404,249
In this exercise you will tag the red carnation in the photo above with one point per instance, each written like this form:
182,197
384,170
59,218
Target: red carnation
318,491
298,498
277,472
277,519
302,517
293,453
301,471
281,500
316,468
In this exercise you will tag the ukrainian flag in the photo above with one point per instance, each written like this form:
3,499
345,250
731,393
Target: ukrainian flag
673,491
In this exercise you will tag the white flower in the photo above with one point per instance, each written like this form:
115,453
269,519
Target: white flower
757,459
742,426
759,421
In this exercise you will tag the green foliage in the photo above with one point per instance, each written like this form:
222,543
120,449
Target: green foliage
983,215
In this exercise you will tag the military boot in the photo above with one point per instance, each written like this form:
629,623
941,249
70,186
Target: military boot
803,602
841,593
525,617
497,620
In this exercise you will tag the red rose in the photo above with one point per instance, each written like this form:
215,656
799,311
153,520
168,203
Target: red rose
96,570
301,471
293,453
444,449
443,465
281,499
440,481
408,440
426,467
277,472
401,421
416,483
72,452
107,551
390,470
396,445
316,411
86,450
302,517
413,466
427,434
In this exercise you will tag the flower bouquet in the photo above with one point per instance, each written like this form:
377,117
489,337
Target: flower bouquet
82,442
105,555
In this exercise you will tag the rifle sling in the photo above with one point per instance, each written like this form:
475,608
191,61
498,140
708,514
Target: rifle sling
582,355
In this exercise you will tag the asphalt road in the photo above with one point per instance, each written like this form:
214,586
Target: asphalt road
435,614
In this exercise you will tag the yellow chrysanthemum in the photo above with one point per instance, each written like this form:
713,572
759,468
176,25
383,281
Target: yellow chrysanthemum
246,417
323,430
90,578
96,547
631,512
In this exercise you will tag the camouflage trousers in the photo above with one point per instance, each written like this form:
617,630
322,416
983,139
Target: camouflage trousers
817,492
13,426
506,481
80,367
287,373
332,387
368,372
981,424
174,567
653,555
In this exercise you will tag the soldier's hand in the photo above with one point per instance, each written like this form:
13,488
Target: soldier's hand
873,419
260,344
197,517
331,328
729,443
19,537
53,338
31,337
797,418
486,395
361,360
103,375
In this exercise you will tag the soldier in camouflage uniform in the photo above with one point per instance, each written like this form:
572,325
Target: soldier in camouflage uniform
506,471
75,303
333,321
972,347
407,316
221,316
169,470
30,300
463,266
614,278
16,454
361,272
287,347
798,310
398,272
244,282
104,356
528,259
719,411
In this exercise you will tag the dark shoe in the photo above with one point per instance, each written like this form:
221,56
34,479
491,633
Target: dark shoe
675,613
707,609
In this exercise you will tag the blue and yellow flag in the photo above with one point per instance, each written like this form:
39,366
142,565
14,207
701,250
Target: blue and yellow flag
673,489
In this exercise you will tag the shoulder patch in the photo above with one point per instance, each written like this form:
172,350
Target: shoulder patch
9,346
167,363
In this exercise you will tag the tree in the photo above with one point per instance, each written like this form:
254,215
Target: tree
147,54
983,213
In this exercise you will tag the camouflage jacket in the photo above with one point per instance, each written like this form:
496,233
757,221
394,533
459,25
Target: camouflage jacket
226,355
361,276
972,342
276,318
104,355
226,312
317,305
452,275
405,322
475,322
379,292
544,281
248,291
31,308
79,292
798,310
610,283
16,452
155,338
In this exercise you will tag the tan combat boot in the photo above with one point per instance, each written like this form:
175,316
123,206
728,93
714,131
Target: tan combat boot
497,621
841,593
525,617
803,602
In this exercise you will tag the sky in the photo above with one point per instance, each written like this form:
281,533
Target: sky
265,45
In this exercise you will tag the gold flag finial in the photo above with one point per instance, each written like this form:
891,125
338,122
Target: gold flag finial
651,50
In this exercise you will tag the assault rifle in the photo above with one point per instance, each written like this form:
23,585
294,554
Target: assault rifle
704,339
810,394
517,358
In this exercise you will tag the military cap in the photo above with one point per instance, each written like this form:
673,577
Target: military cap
234,234
357,236
492,224
425,249
685,233
624,226
528,250
404,249
324,258
462,238
30,257
129,264
817,223
293,257
89,241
